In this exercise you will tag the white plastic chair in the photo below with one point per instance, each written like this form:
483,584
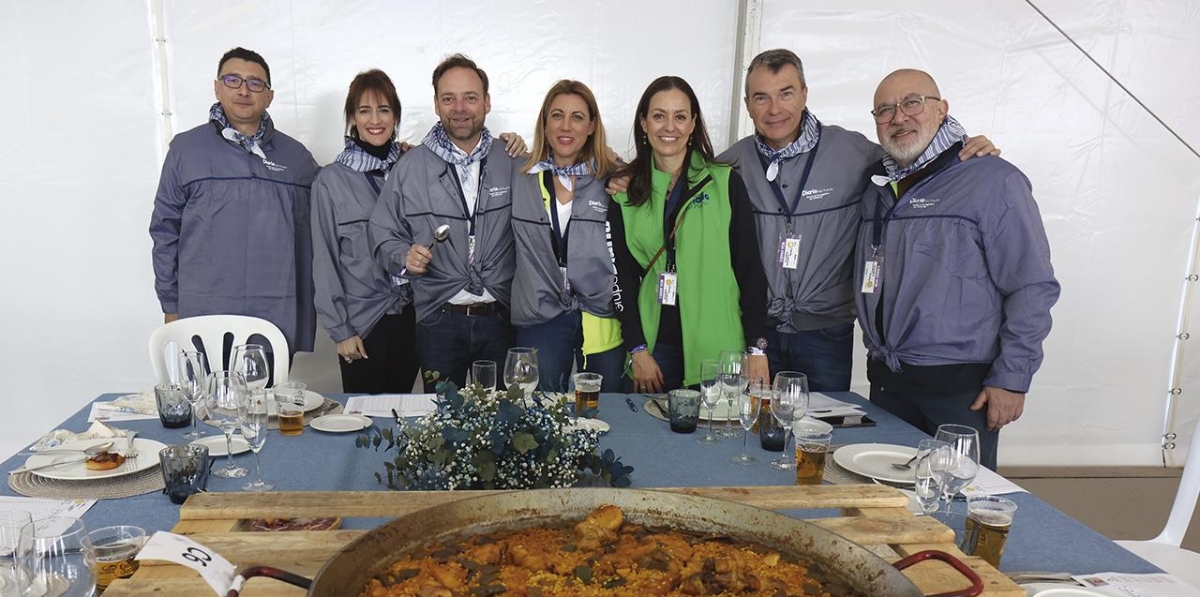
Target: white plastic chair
1164,550
211,331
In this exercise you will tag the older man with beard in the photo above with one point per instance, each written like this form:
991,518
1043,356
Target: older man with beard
953,270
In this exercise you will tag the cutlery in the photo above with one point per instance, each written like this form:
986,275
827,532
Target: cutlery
40,467
89,451
907,465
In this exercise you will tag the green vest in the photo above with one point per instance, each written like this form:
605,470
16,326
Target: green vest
709,311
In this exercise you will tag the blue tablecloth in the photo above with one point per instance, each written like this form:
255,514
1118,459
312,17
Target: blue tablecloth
1042,538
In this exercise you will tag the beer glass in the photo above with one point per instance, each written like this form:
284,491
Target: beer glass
988,520
587,394
11,523
52,558
289,407
483,373
812,449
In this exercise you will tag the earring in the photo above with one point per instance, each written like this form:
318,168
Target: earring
645,139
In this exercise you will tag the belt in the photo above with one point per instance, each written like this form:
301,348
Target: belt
470,310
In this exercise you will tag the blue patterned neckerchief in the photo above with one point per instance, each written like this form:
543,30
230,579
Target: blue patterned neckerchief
357,159
810,129
439,142
563,173
948,134
217,113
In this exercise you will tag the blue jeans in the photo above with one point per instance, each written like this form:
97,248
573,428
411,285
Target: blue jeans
449,342
559,347
824,355
670,362
927,411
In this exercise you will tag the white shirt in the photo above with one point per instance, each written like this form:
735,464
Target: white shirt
564,215
470,190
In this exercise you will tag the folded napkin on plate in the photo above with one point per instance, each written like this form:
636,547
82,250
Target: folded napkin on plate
142,403
59,437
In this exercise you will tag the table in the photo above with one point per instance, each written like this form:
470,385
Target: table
1042,538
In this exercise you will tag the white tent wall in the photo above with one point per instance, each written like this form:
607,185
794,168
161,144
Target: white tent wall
84,140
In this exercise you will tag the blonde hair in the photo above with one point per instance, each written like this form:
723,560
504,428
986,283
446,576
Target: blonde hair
595,148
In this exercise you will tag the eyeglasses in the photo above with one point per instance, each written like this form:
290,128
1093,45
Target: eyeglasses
911,106
235,82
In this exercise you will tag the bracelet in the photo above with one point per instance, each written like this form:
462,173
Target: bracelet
637,349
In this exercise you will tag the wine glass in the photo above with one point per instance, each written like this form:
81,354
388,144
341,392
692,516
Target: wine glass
710,393
747,409
790,403
926,484
252,416
732,384
193,370
226,389
521,369
251,361
11,523
956,465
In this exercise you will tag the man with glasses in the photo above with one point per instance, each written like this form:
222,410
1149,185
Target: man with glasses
805,179
952,271
231,225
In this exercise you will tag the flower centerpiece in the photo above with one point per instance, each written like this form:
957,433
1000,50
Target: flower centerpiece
483,439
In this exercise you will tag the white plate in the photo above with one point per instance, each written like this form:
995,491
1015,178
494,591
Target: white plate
74,469
340,423
875,461
1049,589
216,445
586,423
312,401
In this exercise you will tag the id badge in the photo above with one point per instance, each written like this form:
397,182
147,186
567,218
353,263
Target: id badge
398,281
667,283
566,281
872,270
471,249
789,251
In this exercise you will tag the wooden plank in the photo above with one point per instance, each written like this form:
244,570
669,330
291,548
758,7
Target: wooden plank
931,576
866,531
374,504
196,587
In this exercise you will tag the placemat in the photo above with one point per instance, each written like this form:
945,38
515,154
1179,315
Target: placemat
31,485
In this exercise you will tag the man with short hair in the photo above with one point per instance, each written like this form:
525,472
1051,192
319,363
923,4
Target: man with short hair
231,225
456,177
805,179
953,274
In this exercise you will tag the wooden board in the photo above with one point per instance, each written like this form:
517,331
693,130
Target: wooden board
872,515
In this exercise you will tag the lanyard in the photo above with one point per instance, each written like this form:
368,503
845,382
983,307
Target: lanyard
787,210
463,196
558,235
668,230
880,221
371,180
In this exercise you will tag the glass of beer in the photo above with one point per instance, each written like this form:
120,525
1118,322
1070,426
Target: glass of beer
112,553
587,394
812,447
988,519
289,407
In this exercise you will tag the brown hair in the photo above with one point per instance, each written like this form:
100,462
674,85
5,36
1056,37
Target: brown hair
595,148
458,61
638,170
375,81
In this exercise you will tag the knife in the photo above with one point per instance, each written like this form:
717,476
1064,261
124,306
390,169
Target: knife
42,466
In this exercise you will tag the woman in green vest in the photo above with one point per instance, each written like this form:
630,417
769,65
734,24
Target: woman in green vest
689,280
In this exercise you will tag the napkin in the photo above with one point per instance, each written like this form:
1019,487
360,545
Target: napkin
59,437
142,403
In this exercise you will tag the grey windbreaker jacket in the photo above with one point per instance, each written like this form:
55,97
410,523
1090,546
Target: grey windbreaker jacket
966,271
819,293
232,232
539,294
421,195
352,291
